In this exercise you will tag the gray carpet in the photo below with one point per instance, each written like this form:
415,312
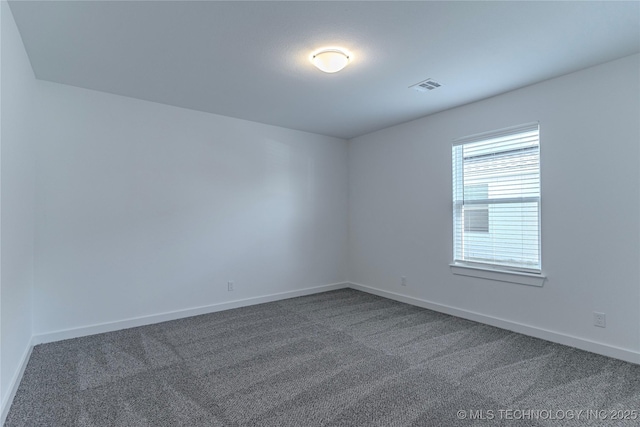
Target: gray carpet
341,358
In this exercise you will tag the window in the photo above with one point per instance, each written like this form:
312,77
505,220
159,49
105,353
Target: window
496,199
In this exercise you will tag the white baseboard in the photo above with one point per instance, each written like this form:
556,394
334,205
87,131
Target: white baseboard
178,314
145,320
15,382
583,344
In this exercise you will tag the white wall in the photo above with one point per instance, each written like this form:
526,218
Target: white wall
16,215
144,208
401,213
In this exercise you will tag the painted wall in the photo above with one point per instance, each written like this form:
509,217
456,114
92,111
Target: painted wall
144,208
16,214
401,212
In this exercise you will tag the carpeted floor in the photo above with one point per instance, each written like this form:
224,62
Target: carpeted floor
341,358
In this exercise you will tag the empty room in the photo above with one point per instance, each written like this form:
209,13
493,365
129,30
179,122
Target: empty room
319,213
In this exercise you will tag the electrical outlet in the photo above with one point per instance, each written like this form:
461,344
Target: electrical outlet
599,319
229,286
403,281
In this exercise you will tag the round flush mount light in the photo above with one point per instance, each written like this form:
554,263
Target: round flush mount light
330,60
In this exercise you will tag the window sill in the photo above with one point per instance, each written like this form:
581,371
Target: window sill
529,279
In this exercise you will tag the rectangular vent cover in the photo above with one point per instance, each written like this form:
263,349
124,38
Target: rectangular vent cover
426,85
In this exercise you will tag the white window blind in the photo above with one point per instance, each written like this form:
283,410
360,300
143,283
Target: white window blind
496,199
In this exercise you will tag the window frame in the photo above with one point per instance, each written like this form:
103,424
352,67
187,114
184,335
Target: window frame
496,271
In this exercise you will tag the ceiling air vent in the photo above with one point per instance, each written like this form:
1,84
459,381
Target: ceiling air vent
426,85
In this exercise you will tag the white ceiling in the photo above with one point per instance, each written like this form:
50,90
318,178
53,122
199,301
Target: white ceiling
250,59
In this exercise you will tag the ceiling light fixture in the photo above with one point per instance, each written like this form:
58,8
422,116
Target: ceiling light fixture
330,60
